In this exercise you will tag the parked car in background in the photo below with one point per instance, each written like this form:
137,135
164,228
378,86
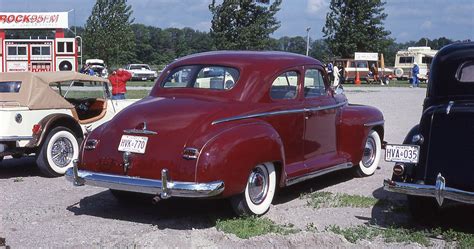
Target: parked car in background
239,126
405,59
99,67
48,114
434,164
350,68
141,72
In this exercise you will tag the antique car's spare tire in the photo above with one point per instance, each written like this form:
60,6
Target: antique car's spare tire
370,156
398,72
422,208
259,191
58,151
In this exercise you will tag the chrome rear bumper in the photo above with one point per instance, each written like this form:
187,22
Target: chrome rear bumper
438,191
165,188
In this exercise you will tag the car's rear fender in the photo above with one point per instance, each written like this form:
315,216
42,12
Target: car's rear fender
51,121
233,152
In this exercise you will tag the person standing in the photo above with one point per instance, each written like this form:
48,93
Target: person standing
119,79
330,71
335,74
414,74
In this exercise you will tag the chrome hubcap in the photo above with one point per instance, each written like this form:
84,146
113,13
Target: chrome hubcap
62,152
369,152
258,185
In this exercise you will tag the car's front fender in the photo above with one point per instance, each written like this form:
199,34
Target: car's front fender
233,152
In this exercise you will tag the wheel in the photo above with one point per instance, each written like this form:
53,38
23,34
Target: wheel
259,192
58,151
422,208
371,155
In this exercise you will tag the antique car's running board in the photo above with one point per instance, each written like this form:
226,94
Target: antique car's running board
324,171
164,187
438,191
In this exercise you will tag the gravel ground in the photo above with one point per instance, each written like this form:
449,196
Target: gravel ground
49,212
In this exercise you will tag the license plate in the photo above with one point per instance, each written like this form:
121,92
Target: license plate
402,153
133,144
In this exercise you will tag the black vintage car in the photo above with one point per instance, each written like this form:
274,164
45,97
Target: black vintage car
436,160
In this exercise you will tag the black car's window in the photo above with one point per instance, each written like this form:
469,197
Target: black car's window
199,76
465,72
10,86
284,86
313,83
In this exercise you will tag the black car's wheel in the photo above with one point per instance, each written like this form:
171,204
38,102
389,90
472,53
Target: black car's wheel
371,155
422,208
258,193
58,151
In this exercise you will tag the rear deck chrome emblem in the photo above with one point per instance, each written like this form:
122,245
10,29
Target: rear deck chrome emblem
126,161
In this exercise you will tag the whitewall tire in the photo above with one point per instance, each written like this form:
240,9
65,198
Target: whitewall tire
259,191
371,155
57,153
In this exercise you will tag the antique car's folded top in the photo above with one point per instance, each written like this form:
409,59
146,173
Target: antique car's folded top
232,124
49,113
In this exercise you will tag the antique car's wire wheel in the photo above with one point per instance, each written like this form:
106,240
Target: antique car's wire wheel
259,191
57,153
370,155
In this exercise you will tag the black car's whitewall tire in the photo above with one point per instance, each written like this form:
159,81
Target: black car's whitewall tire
259,191
57,153
371,155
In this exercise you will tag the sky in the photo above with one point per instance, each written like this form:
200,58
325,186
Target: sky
407,19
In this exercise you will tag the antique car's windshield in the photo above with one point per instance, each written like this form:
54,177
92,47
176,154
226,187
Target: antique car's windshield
79,90
202,76
10,86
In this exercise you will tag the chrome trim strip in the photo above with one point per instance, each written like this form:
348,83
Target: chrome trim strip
317,173
267,114
448,108
15,138
137,131
381,122
438,191
142,185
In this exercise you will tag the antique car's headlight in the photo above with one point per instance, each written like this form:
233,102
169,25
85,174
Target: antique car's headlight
91,144
190,153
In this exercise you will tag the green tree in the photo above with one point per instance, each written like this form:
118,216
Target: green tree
356,25
108,34
244,24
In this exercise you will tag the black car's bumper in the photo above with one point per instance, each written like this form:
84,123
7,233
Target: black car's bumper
438,191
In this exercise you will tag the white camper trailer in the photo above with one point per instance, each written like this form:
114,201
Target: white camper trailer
405,58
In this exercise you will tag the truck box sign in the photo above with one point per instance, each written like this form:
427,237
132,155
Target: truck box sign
362,56
36,20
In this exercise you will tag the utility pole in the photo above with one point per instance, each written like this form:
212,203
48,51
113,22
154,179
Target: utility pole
307,40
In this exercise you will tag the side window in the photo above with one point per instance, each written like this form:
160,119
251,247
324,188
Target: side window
313,83
285,86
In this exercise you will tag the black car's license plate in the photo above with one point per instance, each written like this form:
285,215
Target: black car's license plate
402,153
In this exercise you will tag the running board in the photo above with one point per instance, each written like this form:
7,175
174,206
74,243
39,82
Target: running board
305,177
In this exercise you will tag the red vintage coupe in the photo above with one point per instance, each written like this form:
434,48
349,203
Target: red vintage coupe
232,125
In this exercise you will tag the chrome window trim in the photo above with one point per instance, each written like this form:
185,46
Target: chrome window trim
15,138
324,171
381,122
274,113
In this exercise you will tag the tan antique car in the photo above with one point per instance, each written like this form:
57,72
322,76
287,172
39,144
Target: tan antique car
48,114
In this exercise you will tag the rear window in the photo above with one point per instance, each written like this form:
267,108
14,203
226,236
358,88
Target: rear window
406,59
465,72
10,86
204,77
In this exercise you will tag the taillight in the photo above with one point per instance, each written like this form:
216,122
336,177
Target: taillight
91,144
36,129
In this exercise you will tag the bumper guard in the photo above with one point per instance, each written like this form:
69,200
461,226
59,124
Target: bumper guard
438,191
164,187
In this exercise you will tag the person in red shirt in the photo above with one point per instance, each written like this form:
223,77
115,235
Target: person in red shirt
119,79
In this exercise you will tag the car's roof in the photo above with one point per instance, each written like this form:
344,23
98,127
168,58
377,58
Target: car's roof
35,92
94,61
242,59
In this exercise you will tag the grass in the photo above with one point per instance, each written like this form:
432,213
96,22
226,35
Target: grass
247,227
141,83
137,94
403,235
328,199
